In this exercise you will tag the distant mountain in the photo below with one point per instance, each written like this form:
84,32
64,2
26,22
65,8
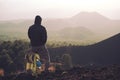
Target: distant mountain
90,19
88,26
102,26
103,53
97,22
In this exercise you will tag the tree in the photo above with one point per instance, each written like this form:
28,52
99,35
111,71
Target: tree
67,61
5,62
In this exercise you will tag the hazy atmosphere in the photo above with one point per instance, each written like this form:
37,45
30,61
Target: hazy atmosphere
27,9
85,21
75,40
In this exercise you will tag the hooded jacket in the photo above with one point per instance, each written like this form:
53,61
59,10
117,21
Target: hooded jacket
37,33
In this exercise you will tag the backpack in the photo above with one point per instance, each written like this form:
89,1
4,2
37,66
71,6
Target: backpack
30,57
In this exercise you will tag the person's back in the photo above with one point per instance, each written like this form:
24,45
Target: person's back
38,37
37,33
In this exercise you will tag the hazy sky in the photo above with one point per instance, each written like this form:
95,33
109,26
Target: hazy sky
27,9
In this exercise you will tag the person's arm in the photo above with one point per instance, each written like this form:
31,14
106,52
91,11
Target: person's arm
29,35
44,36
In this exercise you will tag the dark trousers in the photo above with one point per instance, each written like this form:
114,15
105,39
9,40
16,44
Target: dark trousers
44,55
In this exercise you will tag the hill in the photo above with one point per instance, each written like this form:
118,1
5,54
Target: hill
91,20
102,53
85,27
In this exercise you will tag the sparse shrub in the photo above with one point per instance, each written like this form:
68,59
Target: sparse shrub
67,61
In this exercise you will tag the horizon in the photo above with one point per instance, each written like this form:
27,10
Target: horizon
20,9
19,19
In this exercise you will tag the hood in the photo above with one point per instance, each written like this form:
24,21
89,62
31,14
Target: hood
38,20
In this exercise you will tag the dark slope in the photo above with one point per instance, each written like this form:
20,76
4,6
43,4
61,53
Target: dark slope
104,52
